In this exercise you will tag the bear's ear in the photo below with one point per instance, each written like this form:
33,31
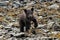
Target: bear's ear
25,10
32,9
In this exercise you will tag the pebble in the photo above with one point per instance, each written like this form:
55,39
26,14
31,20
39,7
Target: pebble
54,6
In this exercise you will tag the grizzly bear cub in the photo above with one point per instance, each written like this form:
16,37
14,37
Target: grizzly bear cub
26,18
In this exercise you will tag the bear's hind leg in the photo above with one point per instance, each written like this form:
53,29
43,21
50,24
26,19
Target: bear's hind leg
22,29
22,26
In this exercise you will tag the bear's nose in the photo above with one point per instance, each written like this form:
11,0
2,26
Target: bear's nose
30,15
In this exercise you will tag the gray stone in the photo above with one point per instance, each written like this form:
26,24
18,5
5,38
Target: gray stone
12,38
41,25
54,6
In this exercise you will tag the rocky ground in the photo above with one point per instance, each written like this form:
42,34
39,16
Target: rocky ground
46,12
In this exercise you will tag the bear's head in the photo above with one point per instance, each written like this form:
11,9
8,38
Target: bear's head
29,13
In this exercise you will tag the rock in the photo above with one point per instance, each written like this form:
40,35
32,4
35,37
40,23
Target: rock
40,17
3,32
1,18
16,4
29,4
54,6
1,26
1,14
45,30
46,0
57,0
10,24
16,24
50,24
48,38
41,25
55,32
17,35
3,4
57,35
1,37
12,38
15,29
9,38
7,27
